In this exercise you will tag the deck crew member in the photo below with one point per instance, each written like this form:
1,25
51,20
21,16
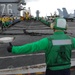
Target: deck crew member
57,48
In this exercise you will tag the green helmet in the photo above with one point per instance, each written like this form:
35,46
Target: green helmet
60,23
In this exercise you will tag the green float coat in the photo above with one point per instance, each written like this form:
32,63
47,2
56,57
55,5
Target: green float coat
54,54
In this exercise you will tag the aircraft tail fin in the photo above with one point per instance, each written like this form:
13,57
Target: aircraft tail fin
60,13
74,13
65,13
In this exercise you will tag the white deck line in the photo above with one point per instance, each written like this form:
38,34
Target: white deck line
29,69
25,69
15,56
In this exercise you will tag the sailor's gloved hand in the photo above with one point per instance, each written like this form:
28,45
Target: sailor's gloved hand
9,48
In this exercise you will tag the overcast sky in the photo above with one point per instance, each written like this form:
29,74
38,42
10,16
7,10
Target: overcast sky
50,6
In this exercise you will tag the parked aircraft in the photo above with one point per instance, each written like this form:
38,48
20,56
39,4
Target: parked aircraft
64,13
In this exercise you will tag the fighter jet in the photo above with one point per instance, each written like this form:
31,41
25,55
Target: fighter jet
67,16
63,13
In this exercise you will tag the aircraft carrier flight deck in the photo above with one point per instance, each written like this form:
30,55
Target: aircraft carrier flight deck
36,30
18,19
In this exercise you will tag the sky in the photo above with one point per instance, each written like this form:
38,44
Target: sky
50,6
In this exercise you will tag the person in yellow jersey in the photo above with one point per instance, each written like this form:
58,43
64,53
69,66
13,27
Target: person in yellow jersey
57,48
3,21
1,25
27,15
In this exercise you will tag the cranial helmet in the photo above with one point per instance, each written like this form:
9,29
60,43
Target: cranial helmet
59,24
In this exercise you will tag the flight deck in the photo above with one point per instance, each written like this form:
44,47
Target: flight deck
35,31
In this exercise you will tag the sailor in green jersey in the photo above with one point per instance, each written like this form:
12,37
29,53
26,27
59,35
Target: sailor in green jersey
57,48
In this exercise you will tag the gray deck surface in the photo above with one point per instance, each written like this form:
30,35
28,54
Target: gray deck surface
12,62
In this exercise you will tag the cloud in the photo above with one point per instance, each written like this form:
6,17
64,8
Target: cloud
30,0
50,6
